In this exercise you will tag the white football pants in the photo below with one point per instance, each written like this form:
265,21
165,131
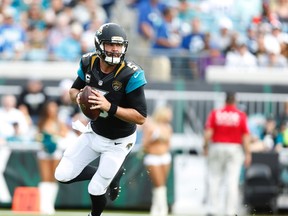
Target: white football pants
86,149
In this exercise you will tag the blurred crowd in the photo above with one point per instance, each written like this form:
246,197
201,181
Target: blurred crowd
233,33
35,117
210,32
269,133
191,33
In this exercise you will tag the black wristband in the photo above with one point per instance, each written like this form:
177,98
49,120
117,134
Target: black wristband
112,110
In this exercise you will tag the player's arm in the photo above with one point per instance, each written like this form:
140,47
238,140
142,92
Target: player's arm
138,113
75,89
79,83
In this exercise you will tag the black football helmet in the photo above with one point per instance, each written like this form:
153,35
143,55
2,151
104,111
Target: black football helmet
110,33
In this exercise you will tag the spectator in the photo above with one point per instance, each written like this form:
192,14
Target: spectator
32,97
34,16
223,37
86,10
6,5
273,39
56,7
17,137
280,36
268,137
69,49
166,35
187,11
67,109
12,118
272,59
36,44
194,41
267,15
241,57
227,134
108,6
251,37
149,18
261,49
167,39
210,55
87,42
58,33
12,38
157,133
280,9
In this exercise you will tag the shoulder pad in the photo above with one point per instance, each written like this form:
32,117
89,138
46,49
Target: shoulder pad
126,69
86,58
133,66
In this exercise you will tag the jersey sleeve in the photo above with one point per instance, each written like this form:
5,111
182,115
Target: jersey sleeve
84,64
80,71
137,100
136,80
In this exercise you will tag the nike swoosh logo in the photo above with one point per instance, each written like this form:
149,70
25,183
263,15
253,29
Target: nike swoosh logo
136,74
117,143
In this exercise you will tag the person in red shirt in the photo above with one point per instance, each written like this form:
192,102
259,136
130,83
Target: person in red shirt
226,135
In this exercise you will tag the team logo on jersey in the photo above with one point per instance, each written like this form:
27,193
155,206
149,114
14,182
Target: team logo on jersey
116,85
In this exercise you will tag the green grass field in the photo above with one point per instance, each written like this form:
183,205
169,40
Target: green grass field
73,213
8,212
106,213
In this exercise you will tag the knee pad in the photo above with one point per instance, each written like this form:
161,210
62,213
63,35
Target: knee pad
97,188
113,164
64,171
101,180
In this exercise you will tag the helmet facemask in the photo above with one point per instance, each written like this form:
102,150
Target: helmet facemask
113,58
111,34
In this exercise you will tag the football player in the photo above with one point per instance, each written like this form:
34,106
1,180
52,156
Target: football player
118,87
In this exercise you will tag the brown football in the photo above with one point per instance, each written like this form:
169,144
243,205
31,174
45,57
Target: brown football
85,105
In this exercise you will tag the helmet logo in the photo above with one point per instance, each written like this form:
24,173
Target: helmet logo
116,85
99,32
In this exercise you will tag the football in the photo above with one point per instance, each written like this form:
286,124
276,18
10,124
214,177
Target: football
85,105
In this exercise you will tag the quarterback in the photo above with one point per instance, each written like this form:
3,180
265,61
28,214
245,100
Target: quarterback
118,91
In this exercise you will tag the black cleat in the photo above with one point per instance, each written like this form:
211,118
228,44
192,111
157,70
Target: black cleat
114,187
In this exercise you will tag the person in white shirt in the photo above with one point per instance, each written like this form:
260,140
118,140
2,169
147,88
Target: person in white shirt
10,115
241,57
